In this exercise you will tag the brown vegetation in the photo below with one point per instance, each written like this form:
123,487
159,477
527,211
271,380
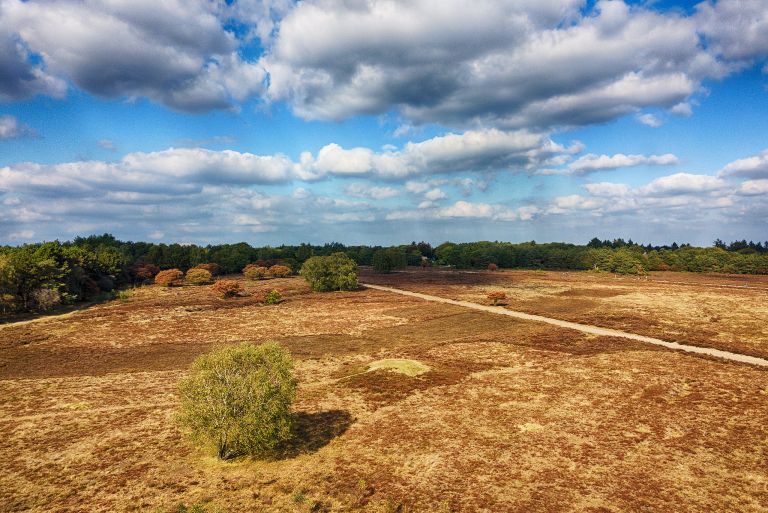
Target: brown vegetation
227,288
255,272
169,278
496,296
511,416
280,271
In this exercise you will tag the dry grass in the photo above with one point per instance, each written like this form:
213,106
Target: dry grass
512,416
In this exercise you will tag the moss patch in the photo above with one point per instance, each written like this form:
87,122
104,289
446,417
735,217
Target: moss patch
407,367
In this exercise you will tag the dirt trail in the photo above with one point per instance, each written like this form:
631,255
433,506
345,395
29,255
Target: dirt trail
585,328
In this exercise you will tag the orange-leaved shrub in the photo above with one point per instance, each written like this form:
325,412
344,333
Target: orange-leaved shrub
198,276
143,272
227,288
493,267
169,278
280,271
254,272
214,269
496,296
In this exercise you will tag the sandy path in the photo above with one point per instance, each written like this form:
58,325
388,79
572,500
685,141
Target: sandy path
585,328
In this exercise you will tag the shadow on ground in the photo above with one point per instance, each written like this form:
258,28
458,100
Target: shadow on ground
313,431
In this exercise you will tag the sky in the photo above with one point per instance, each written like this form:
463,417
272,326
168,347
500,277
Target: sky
384,121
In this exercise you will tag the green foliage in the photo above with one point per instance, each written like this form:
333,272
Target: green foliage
237,400
334,272
273,298
255,272
387,260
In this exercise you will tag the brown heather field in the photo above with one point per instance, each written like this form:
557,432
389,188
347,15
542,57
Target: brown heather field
513,415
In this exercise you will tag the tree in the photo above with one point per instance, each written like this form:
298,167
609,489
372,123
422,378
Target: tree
386,260
237,400
334,272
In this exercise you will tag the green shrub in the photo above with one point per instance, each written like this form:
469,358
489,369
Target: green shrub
198,276
335,272
237,400
273,298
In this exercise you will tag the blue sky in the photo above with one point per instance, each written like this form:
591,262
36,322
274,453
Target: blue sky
384,122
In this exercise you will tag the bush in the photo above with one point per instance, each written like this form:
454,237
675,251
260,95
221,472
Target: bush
227,288
169,278
45,299
493,267
214,269
335,272
198,276
254,272
496,296
237,400
143,272
273,298
280,271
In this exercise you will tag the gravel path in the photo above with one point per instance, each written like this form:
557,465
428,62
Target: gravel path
585,328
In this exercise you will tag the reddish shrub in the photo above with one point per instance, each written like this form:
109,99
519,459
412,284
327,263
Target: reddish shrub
227,288
254,272
214,269
169,278
493,267
143,272
496,296
198,276
280,271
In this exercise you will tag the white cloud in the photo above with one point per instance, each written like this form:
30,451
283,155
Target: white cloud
650,120
506,63
735,29
682,183
10,128
755,166
173,52
366,191
591,162
754,188
435,194
607,189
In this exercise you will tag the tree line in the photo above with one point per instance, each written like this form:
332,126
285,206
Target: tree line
39,276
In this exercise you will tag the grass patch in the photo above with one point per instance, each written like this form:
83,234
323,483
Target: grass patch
401,366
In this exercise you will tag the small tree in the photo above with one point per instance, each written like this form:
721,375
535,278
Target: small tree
254,272
493,267
280,271
335,272
273,298
143,272
198,276
496,296
46,299
386,260
237,400
227,288
169,278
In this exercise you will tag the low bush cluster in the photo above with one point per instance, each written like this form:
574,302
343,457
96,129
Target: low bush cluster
255,272
273,298
227,288
198,276
280,271
237,400
334,272
169,278
214,269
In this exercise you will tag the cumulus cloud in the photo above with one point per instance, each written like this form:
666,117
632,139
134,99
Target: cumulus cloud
737,30
754,188
682,183
174,52
11,128
651,120
590,163
755,166
502,63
